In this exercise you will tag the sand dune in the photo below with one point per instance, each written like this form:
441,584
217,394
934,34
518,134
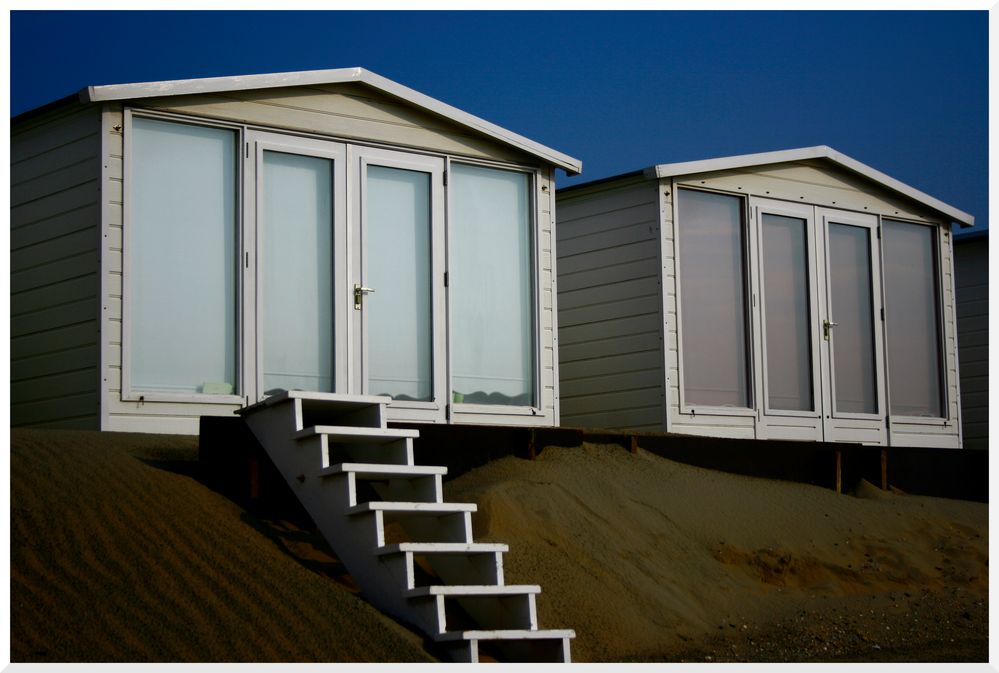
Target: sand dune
114,559
118,555
649,559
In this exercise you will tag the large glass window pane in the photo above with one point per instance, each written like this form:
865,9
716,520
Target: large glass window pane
297,258
911,310
853,311
399,319
787,313
492,289
714,339
182,258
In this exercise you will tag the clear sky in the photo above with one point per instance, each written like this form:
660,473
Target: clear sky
904,92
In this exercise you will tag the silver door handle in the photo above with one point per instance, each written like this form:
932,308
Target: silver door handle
359,292
827,326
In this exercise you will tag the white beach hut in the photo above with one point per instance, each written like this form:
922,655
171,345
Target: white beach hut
793,295
185,248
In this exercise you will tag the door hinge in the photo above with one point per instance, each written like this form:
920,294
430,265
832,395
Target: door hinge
882,314
247,150
445,279
445,177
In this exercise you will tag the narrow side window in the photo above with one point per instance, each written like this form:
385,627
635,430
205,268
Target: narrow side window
182,259
714,317
912,307
492,286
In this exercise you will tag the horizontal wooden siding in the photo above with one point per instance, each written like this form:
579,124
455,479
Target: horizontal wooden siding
971,269
609,309
54,282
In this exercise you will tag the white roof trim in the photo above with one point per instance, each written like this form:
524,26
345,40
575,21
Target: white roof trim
93,94
818,152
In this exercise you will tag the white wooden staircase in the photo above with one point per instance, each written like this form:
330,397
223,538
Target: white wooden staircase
412,554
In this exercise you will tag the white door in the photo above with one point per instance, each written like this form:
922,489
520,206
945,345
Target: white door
397,281
854,400
298,189
788,309
819,314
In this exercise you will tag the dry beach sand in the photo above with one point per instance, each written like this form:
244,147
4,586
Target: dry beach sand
119,554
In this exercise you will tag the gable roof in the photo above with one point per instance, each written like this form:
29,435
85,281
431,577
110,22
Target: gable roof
818,152
94,94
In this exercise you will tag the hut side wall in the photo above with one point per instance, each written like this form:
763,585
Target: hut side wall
610,309
971,280
54,282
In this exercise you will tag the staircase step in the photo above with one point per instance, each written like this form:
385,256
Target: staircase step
509,645
474,590
383,471
506,634
414,508
357,435
443,548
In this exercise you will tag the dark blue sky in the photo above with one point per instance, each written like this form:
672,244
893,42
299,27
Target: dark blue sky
904,92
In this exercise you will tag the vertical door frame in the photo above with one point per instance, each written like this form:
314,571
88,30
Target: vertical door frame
360,157
259,142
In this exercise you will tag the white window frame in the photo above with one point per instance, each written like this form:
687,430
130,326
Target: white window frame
824,216
805,212
939,242
128,160
537,409
359,158
336,152
749,283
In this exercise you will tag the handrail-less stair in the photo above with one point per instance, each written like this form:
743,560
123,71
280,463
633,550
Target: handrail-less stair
356,478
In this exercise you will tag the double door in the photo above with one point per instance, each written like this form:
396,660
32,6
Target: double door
819,325
347,271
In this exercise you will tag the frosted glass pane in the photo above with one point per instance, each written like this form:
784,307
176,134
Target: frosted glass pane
787,313
911,305
713,307
182,270
297,258
492,291
398,268
853,310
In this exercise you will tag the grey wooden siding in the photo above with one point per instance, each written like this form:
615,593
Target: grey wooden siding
971,269
609,308
54,282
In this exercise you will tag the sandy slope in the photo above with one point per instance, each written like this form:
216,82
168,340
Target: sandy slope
116,555
651,559
113,559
